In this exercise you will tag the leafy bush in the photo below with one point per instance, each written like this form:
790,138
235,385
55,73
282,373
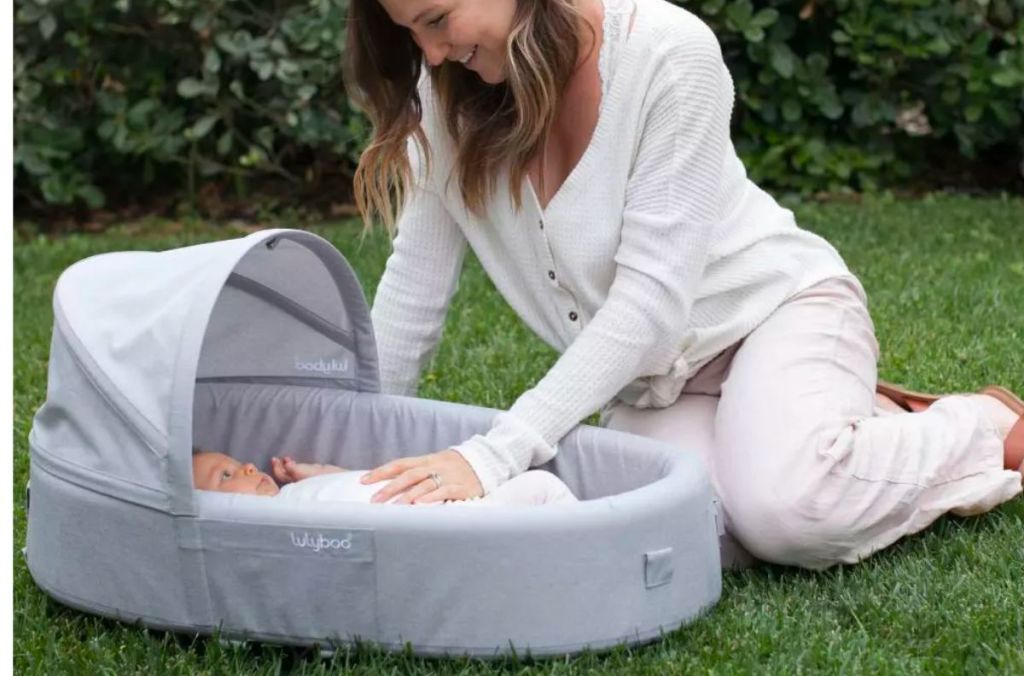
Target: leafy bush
853,93
116,100
158,94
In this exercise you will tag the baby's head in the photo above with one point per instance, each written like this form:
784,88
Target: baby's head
218,472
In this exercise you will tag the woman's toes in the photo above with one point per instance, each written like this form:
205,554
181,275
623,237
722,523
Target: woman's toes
886,404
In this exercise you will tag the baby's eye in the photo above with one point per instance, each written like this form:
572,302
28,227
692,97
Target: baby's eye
225,475
438,21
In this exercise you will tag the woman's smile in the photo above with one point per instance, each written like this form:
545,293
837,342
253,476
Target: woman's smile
469,57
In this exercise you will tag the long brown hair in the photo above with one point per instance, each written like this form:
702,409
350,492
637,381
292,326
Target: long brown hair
493,126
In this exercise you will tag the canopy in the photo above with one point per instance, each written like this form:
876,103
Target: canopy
134,332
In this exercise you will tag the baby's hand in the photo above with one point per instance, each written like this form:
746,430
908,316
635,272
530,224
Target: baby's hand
286,470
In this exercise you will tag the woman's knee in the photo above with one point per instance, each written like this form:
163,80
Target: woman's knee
778,526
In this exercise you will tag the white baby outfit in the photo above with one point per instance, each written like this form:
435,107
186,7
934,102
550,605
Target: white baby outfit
534,487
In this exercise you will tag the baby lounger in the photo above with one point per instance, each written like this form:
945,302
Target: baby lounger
263,345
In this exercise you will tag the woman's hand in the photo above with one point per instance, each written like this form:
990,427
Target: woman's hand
435,477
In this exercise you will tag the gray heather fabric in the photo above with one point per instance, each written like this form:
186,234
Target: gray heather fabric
262,346
112,557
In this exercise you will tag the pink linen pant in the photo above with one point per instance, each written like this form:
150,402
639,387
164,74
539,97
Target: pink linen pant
808,470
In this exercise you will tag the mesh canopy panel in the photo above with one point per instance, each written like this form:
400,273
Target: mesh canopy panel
281,315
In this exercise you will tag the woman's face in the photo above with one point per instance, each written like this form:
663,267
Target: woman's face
456,29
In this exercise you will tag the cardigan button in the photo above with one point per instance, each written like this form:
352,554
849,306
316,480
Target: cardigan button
573,316
551,274
541,224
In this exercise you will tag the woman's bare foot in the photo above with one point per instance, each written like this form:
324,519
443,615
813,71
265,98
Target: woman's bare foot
286,470
1004,418
886,404
906,399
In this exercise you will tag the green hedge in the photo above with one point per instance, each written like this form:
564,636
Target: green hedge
117,100
114,99
859,93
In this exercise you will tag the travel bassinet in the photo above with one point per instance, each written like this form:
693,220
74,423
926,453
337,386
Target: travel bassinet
263,345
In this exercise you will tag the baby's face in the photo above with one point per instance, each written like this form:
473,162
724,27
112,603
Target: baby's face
219,472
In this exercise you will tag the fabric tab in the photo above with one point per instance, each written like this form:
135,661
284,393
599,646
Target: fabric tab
658,568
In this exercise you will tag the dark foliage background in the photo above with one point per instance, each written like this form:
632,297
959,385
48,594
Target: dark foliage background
196,102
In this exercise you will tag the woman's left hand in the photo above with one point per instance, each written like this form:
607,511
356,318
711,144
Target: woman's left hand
435,477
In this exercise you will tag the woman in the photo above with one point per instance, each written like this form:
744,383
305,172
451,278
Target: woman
581,147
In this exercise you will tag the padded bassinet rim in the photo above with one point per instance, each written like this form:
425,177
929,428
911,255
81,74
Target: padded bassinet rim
642,503
683,478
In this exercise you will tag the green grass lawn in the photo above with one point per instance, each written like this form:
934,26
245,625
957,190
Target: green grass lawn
946,281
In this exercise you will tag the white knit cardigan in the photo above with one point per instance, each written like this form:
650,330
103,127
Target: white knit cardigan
656,253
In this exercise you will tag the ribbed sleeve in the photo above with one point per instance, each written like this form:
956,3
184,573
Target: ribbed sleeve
419,280
671,210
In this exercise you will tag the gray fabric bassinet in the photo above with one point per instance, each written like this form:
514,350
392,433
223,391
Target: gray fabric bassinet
263,345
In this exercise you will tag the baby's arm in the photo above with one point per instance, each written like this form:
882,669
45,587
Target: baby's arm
286,470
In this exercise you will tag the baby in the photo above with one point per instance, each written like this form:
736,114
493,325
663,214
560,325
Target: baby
310,482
